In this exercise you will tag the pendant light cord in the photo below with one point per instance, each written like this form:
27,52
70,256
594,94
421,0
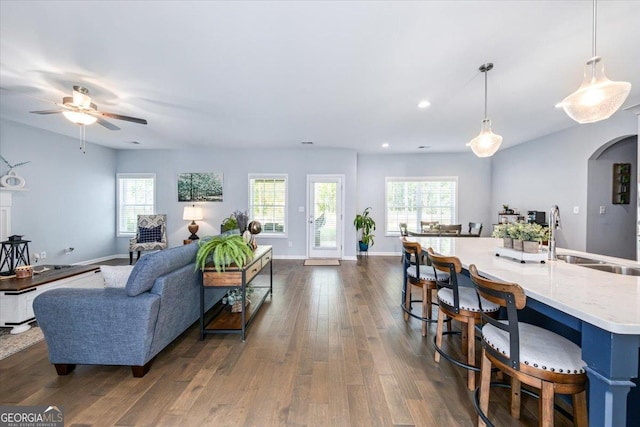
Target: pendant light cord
485,94
595,15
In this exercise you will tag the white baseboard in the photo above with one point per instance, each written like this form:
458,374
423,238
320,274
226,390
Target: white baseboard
97,260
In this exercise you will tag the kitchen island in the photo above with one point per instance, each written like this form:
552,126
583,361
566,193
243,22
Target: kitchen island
602,307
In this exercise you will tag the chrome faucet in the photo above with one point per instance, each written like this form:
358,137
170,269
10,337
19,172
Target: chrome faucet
554,224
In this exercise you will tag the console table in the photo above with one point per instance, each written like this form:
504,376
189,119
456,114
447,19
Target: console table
224,321
17,295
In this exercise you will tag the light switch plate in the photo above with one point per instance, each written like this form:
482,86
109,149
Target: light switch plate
603,210
576,209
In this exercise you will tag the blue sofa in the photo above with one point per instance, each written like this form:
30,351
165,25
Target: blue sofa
125,326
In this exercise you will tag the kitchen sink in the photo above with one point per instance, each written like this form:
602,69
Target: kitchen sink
573,259
617,269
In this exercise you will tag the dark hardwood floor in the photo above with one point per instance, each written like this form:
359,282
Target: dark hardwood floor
330,347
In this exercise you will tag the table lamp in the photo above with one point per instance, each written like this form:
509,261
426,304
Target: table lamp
193,214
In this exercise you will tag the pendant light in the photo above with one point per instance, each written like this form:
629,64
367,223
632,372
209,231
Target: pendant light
597,98
486,143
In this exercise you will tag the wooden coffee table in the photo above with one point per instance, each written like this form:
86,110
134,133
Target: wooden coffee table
17,295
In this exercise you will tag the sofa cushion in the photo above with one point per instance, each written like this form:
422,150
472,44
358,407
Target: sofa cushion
150,234
116,276
150,267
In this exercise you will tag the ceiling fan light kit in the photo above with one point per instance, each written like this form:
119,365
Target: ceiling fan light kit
486,143
79,118
597,98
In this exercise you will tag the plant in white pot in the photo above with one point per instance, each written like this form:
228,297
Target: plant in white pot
223,251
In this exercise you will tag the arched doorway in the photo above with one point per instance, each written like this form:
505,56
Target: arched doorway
611,228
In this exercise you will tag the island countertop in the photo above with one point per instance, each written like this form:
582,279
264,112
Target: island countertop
607,300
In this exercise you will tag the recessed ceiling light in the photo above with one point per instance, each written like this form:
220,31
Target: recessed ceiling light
423,147
307,143
423,104
135,142
385,145
558,105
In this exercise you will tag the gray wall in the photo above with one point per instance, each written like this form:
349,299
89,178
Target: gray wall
554,170
612,233
236,165
71,197
474,187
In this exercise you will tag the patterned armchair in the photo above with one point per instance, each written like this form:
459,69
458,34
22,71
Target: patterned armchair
151,235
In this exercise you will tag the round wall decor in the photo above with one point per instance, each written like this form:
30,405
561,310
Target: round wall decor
12,180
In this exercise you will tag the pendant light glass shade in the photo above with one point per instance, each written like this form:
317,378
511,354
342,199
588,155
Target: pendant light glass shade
487,143
597,98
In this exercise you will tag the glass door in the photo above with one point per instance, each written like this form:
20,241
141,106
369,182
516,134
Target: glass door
324,237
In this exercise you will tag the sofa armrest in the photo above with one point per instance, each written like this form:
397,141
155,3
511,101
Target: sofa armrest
97,326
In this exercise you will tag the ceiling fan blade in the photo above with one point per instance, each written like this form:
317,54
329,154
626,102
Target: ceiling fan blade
47,111
107,124
119,117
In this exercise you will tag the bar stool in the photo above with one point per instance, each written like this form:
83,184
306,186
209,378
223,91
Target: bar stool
528,354
459,303
418,275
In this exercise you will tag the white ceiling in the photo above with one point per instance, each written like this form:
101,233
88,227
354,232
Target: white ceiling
341,74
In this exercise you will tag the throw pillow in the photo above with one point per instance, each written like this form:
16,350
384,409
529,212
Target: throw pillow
151,234
115,276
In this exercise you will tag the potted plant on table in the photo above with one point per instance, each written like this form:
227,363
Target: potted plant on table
223,250
365,223
527,237
501,231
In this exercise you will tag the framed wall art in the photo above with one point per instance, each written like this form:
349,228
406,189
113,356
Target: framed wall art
200,187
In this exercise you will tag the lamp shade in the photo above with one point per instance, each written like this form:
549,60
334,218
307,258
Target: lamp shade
79,118
192,213
597,98
486,143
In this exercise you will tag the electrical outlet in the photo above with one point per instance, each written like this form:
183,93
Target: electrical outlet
43,254
576,209
290,244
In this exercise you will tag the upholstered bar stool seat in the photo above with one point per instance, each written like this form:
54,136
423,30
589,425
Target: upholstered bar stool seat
468,299
539,348
426,274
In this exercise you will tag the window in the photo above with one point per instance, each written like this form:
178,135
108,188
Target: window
136,196
268,203
411,200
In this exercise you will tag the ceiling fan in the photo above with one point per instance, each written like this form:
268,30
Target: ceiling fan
80,110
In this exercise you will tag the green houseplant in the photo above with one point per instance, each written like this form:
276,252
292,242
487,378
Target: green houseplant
501,231
365,223
223,251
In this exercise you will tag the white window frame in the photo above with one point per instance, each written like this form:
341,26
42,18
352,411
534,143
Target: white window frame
121,176
285,177
396,232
